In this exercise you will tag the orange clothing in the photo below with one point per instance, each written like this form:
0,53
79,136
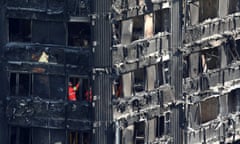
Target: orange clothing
72,92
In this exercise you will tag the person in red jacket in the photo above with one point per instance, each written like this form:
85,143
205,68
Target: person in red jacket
72,91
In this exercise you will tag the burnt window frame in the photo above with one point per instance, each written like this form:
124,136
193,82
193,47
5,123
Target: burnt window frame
21,22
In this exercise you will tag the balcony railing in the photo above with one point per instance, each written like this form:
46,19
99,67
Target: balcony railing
71,8
37,112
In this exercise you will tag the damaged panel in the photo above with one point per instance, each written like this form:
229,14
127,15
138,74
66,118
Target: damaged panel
133,8
194,12
194,62
151,77
128,134
127,30
223,9
209,109
127,84
194,117
152,124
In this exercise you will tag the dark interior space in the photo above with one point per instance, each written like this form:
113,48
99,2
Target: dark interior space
79,34
162,21
138,28
20,135
160,126
139,80
19,30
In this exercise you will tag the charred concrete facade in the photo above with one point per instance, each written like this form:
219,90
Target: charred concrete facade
150,71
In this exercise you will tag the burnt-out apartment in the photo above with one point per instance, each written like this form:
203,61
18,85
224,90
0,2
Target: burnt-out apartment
119,71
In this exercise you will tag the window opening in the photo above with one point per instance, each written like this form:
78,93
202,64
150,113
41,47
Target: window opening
162,21
186,67
166,71
116,27
209,60
79,89
24,84
117,87
234,6
139,132
139,80
138,28
234,101
208,9
41,86
79,34
20,84
19,30
13,84
232,50
159,71
167,123
160,126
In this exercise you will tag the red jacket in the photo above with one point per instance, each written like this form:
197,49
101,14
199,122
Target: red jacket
72,92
